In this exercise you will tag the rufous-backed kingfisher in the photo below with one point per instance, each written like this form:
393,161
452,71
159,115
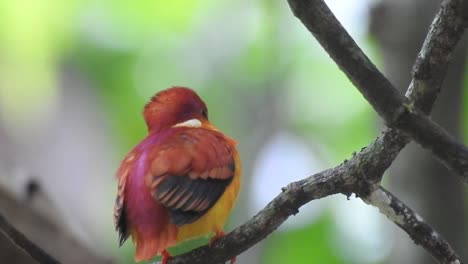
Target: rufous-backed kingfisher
179,182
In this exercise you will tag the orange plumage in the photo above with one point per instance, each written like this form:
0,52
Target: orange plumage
180,182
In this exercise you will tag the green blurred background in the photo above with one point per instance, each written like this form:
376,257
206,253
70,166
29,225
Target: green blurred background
74,76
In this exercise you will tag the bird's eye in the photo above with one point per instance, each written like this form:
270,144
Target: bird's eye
204,113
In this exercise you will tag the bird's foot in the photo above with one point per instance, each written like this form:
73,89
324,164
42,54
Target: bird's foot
165,256
218,234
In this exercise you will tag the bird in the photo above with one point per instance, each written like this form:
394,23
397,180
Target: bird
180,182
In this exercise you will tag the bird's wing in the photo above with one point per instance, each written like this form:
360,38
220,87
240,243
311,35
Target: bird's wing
120,221
189,172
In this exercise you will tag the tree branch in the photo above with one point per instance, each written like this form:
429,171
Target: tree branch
266,221
369,164
413,224
393,107
428,74
25,244
365,168
340,179
431,65
35,216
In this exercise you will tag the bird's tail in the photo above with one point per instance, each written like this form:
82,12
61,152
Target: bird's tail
149,245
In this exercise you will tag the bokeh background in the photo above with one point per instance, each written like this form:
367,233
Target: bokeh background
74,76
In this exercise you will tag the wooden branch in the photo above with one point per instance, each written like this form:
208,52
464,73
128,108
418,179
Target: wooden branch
25,244
368,164
39,226
266,221
428,74
393,107
431,65
359,174
344,179
433,137
413,224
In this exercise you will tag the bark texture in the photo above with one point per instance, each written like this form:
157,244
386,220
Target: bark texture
416,176
362,173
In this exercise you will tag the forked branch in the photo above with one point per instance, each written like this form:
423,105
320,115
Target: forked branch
362,173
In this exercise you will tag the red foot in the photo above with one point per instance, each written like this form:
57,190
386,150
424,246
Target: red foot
232,260
165,257
218,234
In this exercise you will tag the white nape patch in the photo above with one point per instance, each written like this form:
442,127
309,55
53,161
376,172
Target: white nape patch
189,123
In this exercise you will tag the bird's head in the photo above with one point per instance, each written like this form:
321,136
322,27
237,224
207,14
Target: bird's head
175,106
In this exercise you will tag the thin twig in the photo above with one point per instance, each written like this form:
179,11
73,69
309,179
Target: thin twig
393,107
340,179
369,163
432,62
24,243
266,221
413,224
428,73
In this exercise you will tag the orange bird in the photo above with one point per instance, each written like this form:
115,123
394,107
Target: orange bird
179,182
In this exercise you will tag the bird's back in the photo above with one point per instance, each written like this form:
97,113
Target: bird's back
179,184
